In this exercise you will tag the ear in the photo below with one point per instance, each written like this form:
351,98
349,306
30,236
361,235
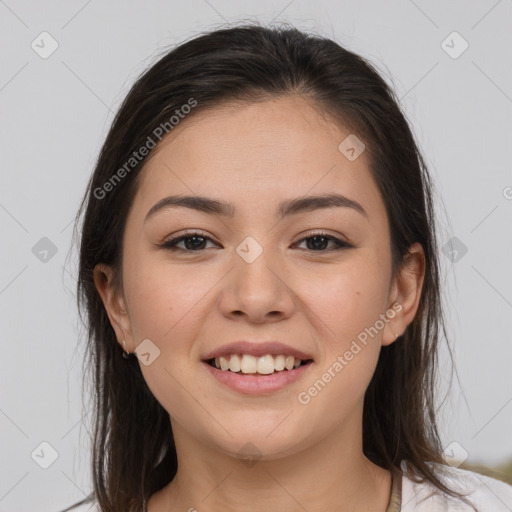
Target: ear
405,293
115,305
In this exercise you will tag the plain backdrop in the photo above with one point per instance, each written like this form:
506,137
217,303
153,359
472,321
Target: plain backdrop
449,63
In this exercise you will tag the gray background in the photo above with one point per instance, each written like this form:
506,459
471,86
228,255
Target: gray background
55,114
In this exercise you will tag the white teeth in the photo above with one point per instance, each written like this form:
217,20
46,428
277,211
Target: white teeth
264,365
279,363
248,364
234,363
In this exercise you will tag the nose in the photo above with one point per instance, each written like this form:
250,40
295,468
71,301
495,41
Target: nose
260,291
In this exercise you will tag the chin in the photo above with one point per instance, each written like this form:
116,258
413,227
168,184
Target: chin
259,446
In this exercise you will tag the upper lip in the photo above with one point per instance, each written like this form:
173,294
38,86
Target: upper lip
257,349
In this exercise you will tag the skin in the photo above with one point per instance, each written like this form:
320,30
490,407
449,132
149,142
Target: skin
319,300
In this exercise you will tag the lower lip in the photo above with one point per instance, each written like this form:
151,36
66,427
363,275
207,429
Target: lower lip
263,384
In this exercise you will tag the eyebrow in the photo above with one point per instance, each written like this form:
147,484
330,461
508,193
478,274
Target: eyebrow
285,209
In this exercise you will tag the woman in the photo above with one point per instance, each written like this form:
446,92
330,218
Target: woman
258,267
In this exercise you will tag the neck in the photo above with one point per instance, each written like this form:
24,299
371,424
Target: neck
330,475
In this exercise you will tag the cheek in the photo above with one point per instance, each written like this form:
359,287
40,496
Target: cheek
347,300
349,305
165,301
336,394
168,306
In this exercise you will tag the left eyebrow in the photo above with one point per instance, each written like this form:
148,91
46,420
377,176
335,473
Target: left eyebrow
286,208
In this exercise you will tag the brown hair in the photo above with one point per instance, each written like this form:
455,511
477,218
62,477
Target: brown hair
133,447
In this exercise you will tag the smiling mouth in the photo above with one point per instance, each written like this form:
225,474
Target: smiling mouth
269,371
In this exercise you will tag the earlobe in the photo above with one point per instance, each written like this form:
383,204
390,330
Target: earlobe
406,293
113,301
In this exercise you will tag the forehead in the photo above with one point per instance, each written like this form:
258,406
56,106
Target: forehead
257,153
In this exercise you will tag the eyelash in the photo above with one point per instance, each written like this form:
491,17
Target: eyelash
171,244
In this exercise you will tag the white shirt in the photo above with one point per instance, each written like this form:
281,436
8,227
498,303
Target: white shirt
485,493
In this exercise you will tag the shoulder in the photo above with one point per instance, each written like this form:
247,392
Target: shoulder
485,493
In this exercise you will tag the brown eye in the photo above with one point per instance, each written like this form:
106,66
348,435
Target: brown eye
194,242
319,241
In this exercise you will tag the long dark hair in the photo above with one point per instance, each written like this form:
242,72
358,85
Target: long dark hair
133,447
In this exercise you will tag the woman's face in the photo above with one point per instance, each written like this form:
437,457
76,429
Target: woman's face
258,276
